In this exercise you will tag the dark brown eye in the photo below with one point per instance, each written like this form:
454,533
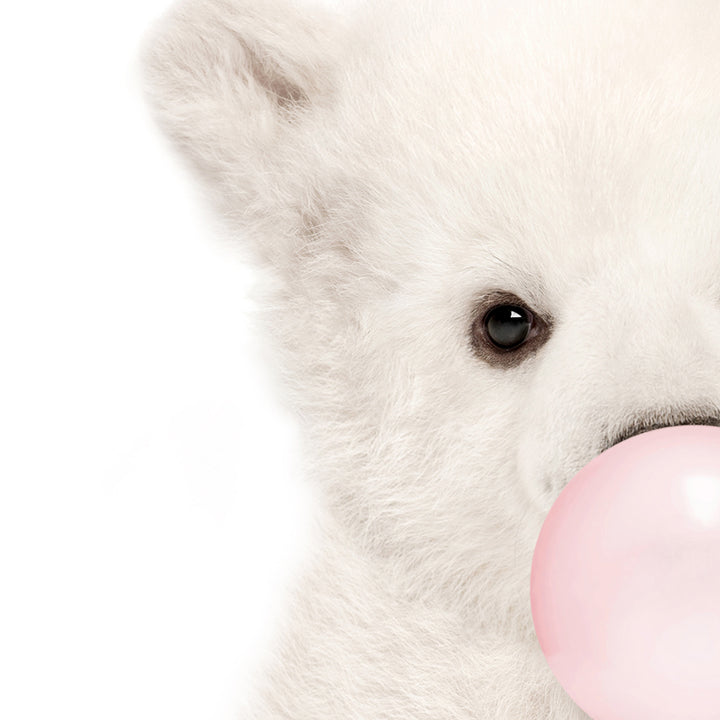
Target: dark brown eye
505,331
508,326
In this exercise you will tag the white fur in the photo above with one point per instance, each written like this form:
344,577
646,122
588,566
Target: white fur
390,167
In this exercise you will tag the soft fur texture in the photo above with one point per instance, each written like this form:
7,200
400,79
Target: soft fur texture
392,167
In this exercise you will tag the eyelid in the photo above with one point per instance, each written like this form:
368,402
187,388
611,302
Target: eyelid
502,297
525,283
527,300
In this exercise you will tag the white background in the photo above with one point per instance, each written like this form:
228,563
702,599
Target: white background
151,509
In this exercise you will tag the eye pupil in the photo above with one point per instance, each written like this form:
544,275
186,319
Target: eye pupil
508,326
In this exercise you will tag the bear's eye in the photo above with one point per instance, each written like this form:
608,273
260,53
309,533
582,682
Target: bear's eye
505,330
508,326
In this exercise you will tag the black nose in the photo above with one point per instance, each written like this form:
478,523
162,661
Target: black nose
647,423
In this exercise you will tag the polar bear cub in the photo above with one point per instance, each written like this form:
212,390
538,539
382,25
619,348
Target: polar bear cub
493,233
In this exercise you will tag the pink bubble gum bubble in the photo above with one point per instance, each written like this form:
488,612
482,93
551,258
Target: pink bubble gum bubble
625,582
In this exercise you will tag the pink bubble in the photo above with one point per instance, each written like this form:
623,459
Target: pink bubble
625,583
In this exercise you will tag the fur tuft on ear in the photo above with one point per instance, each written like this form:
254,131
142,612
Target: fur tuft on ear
229,79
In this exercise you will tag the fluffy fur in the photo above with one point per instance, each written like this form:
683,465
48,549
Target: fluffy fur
391,167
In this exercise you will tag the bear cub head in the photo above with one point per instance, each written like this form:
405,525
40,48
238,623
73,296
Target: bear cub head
493,233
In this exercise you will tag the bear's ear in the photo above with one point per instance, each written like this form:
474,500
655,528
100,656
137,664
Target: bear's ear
229,79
